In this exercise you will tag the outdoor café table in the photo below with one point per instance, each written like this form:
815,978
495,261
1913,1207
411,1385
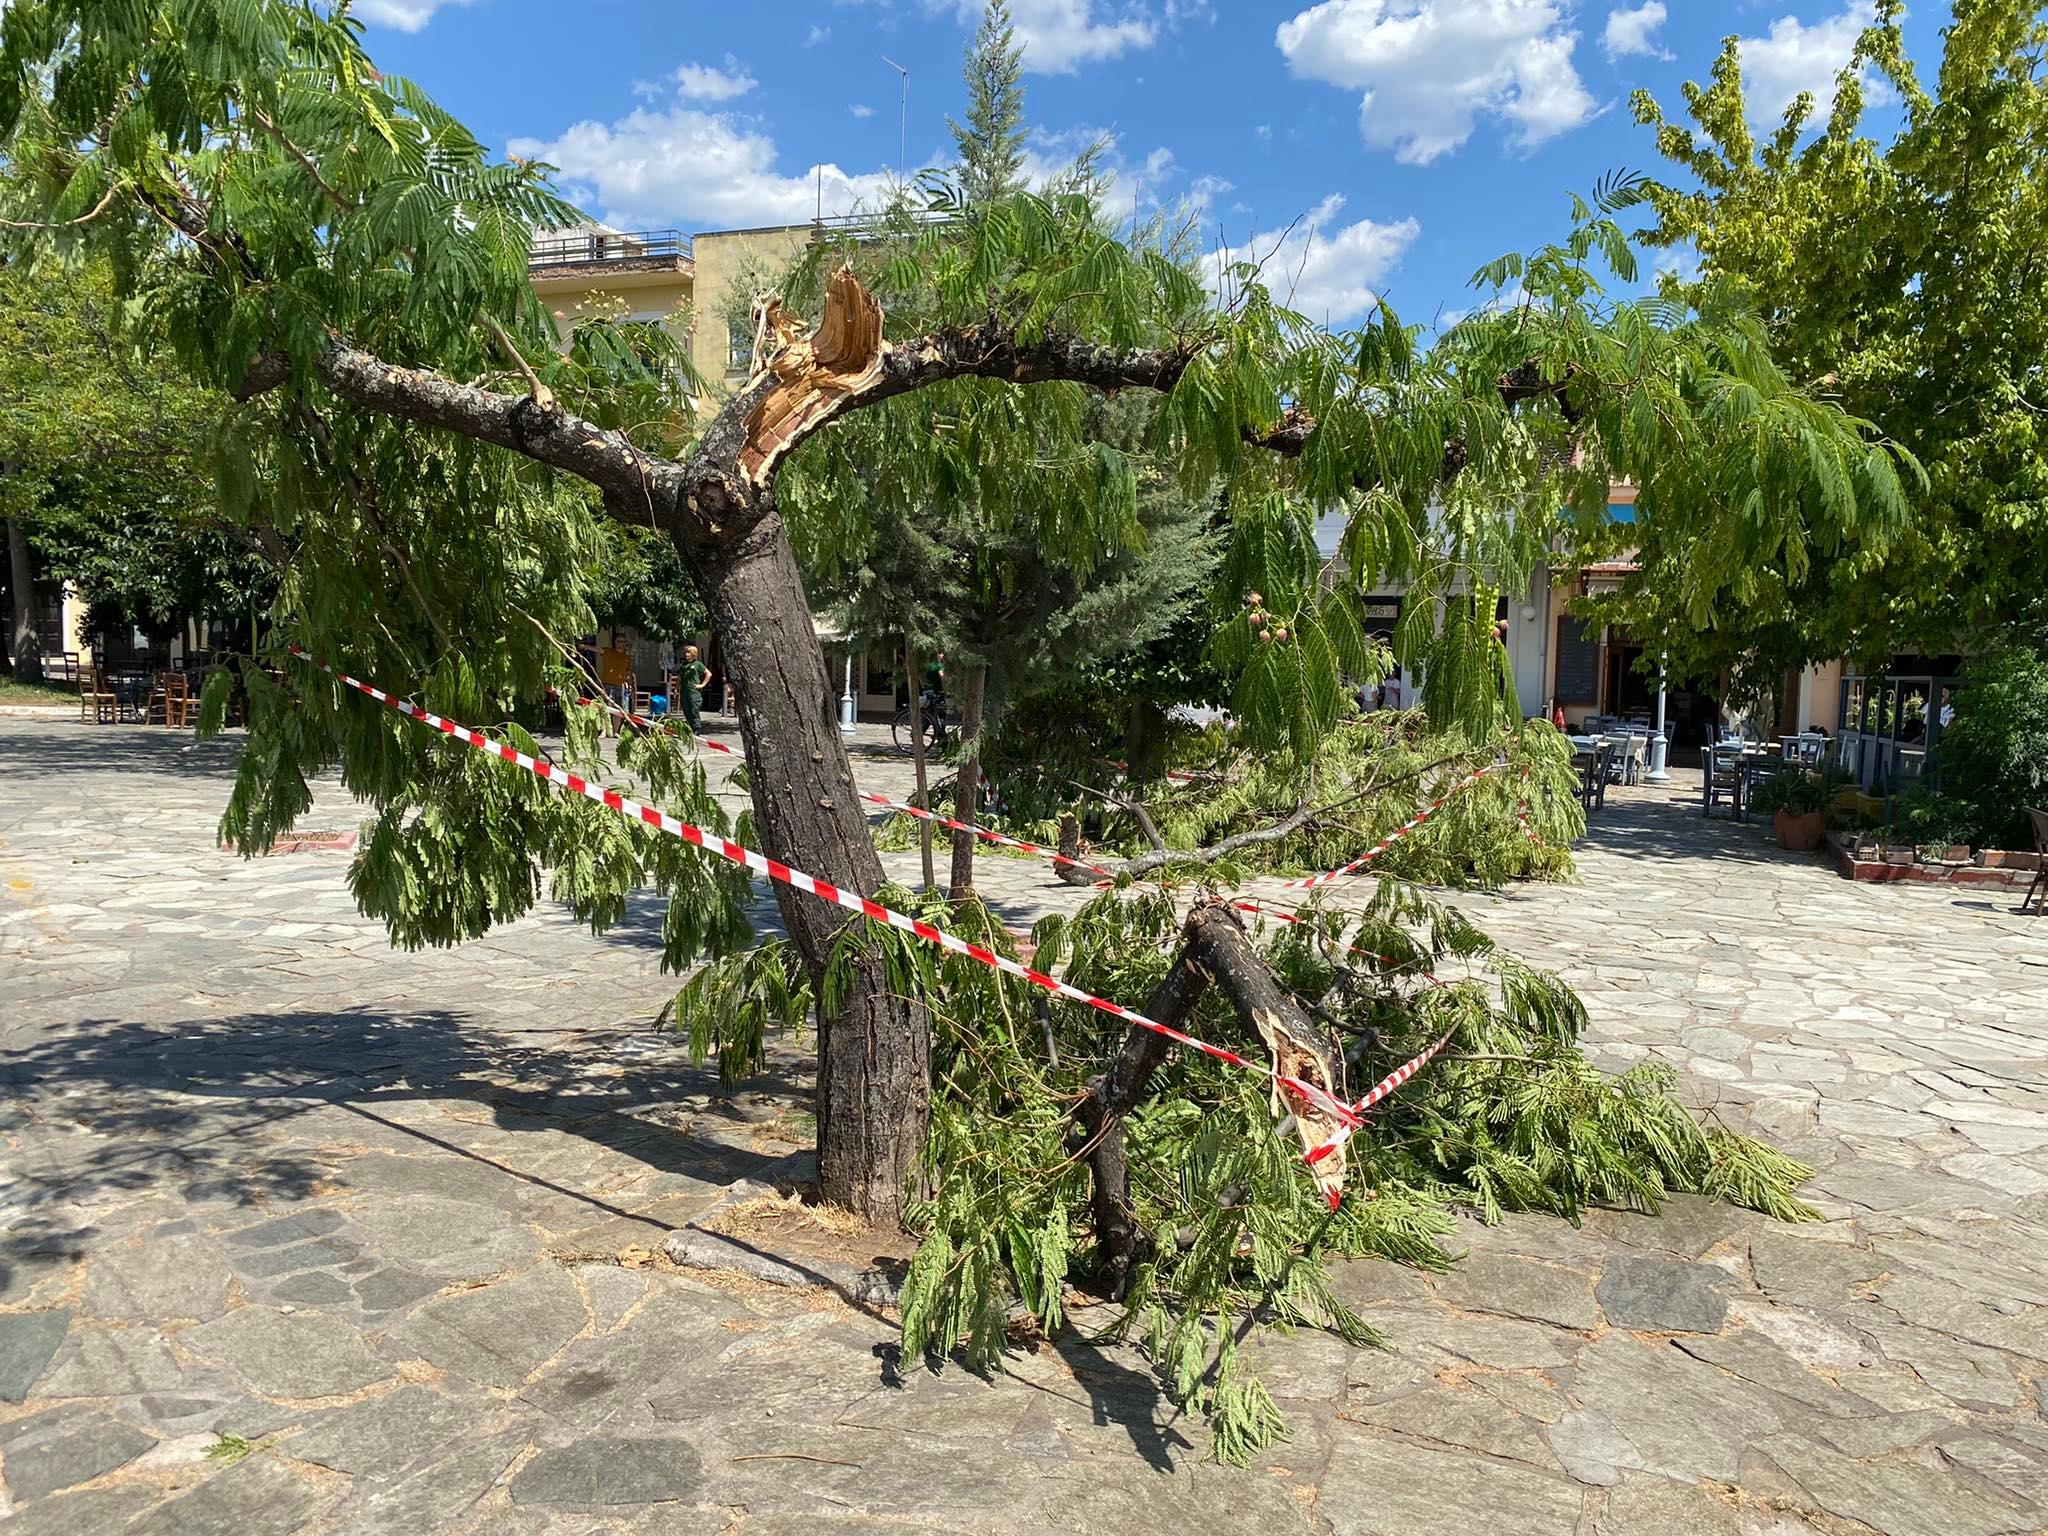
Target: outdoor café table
1755,763
130,688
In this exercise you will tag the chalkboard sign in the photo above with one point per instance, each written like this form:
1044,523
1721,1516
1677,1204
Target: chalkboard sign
1578,663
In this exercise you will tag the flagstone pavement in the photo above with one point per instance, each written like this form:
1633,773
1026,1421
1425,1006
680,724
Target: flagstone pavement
302,1234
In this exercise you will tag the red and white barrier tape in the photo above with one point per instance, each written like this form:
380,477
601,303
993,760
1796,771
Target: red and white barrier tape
1382,1089
774,869
1001,840
1392,837
640,722
1378,1092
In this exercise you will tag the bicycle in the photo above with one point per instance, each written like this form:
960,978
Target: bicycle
936,719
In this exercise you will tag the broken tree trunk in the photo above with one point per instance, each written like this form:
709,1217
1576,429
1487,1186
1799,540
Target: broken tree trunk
1215,951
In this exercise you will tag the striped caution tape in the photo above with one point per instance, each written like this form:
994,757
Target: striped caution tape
774,869
1394,836
1350,1119
999,839
1380,1090
1259,909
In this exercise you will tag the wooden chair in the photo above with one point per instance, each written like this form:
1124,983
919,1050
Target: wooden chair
2037,893
97,702
1725,780
170,701
1593,787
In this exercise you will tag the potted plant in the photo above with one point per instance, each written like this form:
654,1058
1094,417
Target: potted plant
1797,802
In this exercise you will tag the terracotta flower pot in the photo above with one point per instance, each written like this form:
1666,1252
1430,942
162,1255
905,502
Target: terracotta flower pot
1800,833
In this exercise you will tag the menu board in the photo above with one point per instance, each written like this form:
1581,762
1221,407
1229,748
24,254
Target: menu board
1578,662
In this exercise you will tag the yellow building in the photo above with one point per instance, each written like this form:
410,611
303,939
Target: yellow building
702,287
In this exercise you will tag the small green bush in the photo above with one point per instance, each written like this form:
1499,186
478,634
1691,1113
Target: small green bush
1928,817
1994,756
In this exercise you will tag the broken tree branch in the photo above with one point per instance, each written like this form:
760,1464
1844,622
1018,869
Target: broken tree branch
1215,951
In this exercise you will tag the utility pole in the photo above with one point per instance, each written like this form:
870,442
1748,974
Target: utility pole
902,122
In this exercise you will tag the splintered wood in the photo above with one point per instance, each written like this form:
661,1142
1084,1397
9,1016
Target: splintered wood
816,371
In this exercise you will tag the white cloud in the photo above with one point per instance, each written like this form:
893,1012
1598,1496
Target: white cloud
1499,304
1680,261
1429,68
405,15
816,35
1058,36
1327,270
1635,31
703,82
1136,187
861,109
703,170
1792,57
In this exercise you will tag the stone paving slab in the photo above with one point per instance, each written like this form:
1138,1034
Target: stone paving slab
300,1234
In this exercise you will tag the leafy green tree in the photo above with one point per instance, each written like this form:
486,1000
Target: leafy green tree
1904,279
350,266
1021,580
640,582
1992,758
99,481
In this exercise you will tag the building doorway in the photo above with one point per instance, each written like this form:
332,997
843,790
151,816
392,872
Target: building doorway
1628,690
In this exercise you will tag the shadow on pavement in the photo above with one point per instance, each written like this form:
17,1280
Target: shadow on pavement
197,1106
64,746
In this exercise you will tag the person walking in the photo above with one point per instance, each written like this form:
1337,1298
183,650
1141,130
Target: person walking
693,677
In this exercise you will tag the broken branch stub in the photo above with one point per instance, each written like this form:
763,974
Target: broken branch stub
817,371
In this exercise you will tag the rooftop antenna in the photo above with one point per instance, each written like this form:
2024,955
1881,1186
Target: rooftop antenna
903,121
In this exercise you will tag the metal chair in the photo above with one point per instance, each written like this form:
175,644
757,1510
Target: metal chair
2037,893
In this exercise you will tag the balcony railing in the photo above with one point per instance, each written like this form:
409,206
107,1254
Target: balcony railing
592,247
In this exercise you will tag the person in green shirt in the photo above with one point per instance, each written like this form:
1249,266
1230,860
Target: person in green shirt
693,677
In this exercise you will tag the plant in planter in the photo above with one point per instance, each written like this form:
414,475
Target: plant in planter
1797,802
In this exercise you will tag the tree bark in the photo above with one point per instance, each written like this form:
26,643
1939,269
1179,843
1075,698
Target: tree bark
924,801
1214,951
1144,741
967,785
25,644
874,1058
1121,1242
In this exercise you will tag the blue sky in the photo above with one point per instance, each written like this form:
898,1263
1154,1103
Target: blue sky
1365,146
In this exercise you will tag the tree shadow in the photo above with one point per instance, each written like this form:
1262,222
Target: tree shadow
44,747
194,1107
1124,1396
1657,827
